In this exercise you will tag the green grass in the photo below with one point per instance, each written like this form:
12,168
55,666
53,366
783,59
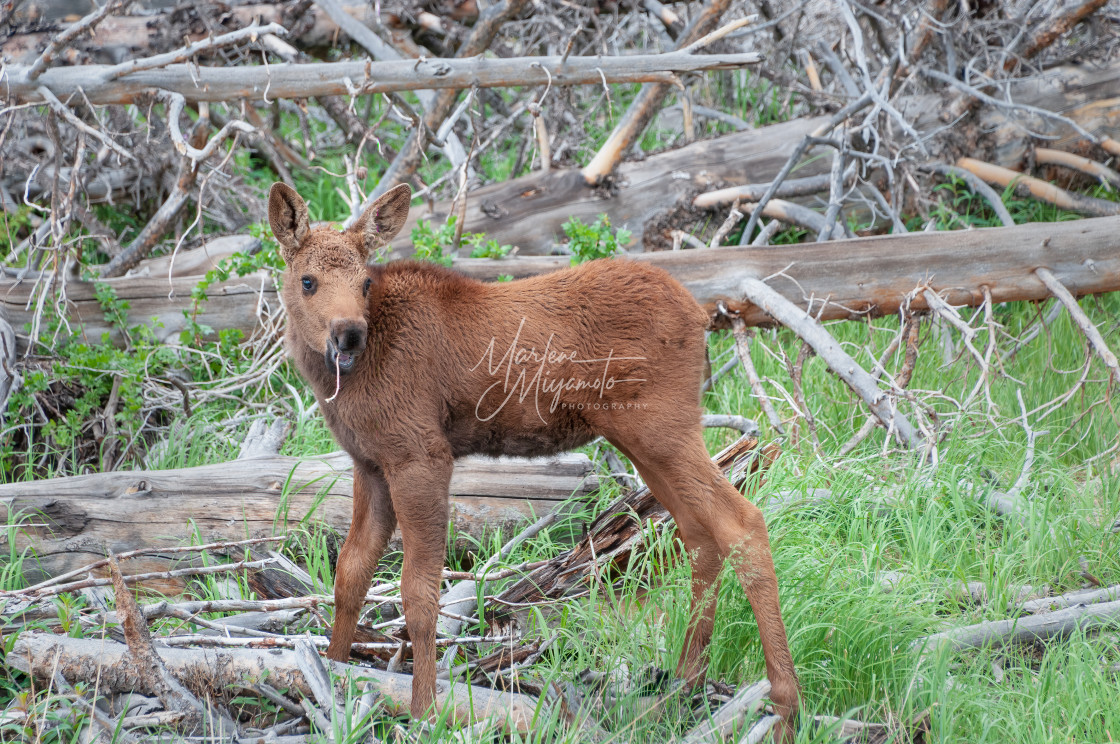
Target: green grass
852,641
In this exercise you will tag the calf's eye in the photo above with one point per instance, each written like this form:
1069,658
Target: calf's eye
365,287
308,284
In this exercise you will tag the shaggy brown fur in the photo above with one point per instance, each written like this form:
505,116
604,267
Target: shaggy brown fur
432,365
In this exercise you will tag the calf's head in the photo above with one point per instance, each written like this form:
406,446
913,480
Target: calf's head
326,279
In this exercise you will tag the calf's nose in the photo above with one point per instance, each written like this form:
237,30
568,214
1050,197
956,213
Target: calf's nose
349,336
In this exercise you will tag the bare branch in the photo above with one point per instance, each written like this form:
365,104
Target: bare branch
59,42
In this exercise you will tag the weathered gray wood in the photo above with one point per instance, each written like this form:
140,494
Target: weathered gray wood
76,518
108,665
1056,624
527,212
232,304
860,277
1070,599
125,37
260,83
873,276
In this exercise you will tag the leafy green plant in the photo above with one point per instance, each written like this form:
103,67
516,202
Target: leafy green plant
483,248
429,243
597,240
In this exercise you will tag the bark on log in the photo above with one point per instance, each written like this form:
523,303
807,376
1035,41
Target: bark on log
108,665
859,277
78,517
259,83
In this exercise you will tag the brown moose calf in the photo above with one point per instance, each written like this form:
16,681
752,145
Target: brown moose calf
415,365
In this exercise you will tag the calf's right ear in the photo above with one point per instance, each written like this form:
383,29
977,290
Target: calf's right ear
287,214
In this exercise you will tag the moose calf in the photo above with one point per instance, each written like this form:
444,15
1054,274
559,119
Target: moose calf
415,365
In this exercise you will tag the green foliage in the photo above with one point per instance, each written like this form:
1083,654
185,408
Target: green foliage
429,243
481,247
438,244
597,240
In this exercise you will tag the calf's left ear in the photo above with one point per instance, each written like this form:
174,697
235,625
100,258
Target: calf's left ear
383,219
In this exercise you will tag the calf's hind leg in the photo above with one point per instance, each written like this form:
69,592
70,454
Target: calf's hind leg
692,488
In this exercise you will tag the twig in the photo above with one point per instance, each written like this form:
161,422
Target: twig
59,42
798,151
1081,320
768,231
985,98
64,111
794,214
743,348
835,196
838,360
742,424
733,218
90,567
173,574
252,33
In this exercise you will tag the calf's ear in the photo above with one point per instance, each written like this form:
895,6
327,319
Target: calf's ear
383,219
287,214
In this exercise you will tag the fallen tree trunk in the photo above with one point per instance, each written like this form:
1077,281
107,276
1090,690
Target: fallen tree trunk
850,278
528,211
875,276
71,521
1056,624
109,665
103,84
245,303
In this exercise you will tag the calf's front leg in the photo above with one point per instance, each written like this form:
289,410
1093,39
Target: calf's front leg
420,495
371,526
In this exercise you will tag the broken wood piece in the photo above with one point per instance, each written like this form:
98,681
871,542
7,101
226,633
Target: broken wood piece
108,665
150,667
1104,174
81,515
795,214
743,340
1024,185
752,192
1071,599
638,115
198,83
1043,627
729,716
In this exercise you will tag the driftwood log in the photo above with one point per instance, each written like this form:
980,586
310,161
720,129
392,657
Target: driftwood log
103,84
851,278
71,521
1057,624
112,668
